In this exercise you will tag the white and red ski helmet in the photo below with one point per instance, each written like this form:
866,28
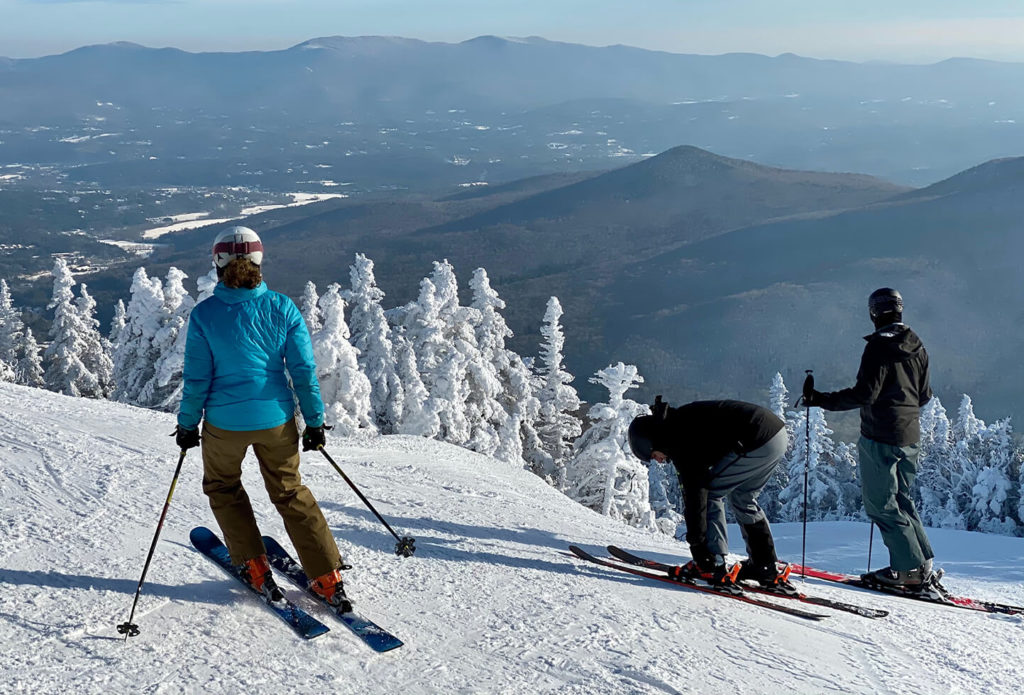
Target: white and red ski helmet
237,242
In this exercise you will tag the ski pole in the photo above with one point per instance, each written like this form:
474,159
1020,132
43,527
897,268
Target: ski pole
808,386
406,544
129,629
871,542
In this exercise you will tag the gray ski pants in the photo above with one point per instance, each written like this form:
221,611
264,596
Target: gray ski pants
887,472
740,479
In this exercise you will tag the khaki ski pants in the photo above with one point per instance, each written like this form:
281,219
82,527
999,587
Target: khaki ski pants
277,450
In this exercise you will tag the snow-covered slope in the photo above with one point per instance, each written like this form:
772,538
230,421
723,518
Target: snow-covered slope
491,602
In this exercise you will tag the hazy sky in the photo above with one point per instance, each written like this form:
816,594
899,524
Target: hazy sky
898,30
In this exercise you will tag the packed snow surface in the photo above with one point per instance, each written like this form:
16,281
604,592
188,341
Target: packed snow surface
491,602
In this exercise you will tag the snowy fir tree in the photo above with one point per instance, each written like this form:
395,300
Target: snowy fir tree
206,285
163,390
30,361
557,423
117,324
603,474
420,411
95,347
994,498
309,307
371,335
11,327
345,389
517,434
814,452
778,403
936,503
65,372
134,355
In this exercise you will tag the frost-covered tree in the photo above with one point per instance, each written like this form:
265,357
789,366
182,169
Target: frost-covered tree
117,324
310,308
518,439
163,390
11,327
135,356
603,474
557,423
778,403
936,503
30,362
995,500
65,372
420,412
816,454
95,347
345,389
206,285
371,335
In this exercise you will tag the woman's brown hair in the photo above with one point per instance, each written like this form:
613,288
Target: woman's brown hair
240,273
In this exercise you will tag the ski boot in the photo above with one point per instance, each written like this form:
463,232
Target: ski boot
256,572
691,570
920,582
768,577
723,578
330,587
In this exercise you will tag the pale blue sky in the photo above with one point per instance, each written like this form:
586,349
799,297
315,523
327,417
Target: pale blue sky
898,30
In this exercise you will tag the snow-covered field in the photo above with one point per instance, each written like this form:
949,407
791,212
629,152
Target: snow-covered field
491,603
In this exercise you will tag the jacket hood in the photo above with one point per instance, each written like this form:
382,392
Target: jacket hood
897,341
235,295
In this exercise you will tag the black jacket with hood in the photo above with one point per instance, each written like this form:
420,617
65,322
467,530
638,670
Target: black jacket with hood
892,385
698,435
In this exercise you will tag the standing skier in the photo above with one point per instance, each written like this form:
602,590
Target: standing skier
239,343
720,449
892,385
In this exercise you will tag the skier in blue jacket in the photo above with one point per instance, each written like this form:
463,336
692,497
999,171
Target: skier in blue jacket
240,341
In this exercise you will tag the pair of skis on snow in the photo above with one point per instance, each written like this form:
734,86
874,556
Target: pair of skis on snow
652,569
304,625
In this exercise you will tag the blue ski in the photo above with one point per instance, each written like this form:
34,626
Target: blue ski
305,625
375,637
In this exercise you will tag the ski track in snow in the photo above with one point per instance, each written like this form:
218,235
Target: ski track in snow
491,603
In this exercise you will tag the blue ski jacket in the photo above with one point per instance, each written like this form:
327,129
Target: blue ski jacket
238,345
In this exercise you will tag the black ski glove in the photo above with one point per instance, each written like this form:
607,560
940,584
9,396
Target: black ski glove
811,397
186,439
314,437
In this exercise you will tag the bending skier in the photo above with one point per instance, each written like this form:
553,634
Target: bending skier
238,345
892,385
721,450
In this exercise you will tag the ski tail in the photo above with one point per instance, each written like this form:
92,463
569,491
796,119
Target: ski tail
305,626
373,635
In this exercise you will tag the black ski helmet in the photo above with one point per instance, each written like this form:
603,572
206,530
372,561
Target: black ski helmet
641,436
884,301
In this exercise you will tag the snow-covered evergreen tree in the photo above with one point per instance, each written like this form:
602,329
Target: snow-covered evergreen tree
934,497
95,347
117,324
824,490
557,423
65,372
11,327
603,474
371,335
206,285
30,363
518,439
134,356
778,400
163,390
420,412
995,500
310,308
344,388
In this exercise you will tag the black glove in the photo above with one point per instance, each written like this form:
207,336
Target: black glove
314,437
704,558
811,397
186,439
